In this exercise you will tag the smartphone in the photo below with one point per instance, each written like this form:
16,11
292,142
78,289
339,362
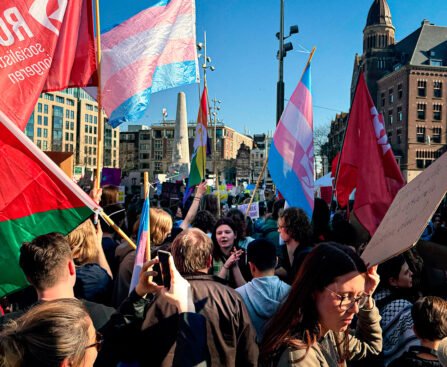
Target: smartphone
163,256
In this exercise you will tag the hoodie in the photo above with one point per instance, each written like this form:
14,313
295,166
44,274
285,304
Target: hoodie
262,297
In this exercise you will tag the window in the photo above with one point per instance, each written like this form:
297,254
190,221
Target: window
437,89
45,133
72,115
86,129
399,114
45,145
422,88
70,102
39,144
157,134
158,156
39,107
67,136
391,95
39,132
144,156
72,125
420,134
399,136
382,98
435,62
39,120
60,99
170,134
45,121
390,117
421,108
437,112
86,117
158,144
436,137
45,108
399,91
49,97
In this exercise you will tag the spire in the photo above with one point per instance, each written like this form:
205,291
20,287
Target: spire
379,14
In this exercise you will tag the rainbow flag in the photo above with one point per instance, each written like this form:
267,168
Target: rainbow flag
36,197
150,52
142,245
198,160
291,156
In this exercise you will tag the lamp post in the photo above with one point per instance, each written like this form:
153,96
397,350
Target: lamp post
282,52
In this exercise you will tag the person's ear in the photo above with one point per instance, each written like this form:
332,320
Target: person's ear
209,263
276,262
71,267
393,282
65,363
252,267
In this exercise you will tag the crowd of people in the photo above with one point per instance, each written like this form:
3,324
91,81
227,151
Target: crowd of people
281,290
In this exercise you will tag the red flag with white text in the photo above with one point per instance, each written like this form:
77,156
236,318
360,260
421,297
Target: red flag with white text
367,163
40,38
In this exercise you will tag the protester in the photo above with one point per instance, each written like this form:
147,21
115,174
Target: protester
311,328
265,292
295,230
210,202
226,254
109,195
48,265
430,326
320,221
93,273
230,335
394,300
240,222
204,221
56,333
269,230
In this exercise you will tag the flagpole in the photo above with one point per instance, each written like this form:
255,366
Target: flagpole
99,137
147,256
257,186
118,230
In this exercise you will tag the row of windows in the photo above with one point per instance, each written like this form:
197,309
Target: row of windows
422,111
89,150
90,140
69,114
421,136
91,118
42,144
90,129
422,91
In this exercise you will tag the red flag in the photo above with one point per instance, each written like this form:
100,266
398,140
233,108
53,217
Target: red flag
40,38
367,162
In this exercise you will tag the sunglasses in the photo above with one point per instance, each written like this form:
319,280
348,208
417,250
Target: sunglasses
98,343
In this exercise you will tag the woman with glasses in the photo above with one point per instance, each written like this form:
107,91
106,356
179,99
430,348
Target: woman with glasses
312,326
52,334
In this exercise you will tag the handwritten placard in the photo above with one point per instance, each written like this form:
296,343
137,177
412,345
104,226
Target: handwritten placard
409,213
254,210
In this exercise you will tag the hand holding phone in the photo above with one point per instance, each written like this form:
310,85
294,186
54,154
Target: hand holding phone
163,256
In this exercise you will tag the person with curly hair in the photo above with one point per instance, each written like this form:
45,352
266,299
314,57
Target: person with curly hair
295,230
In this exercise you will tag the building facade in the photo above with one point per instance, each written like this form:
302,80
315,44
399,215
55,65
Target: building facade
407,81
67,121
153,147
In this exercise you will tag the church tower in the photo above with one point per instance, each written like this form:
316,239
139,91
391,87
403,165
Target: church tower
378,51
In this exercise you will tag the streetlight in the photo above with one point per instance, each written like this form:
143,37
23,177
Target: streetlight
206,59
283,49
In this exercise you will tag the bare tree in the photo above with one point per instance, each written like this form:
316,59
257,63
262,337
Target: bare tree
320,139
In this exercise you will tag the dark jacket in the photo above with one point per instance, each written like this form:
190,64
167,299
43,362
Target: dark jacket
299,255
411,358
230,335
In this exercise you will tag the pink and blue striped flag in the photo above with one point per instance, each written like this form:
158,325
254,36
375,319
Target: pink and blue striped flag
148,53
142,245
291,155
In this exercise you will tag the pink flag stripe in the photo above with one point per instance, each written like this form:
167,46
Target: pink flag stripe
149,18
302,99
144,68
151,42
296,125
299,171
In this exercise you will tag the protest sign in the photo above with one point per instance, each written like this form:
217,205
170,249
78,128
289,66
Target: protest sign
409,213
254,210
121,194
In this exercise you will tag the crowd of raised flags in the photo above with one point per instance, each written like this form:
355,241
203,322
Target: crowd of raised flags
150,52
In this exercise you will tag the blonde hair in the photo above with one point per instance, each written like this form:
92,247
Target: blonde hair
46,335
191,251
83,244
160,224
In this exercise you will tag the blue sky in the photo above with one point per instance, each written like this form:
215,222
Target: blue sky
241,41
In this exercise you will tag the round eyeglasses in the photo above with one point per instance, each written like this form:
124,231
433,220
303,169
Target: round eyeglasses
347,302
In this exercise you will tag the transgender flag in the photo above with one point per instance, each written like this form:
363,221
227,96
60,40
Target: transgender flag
150,52
291,156
142,245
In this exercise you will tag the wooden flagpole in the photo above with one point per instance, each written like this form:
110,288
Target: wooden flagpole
118,230
99,137
256,187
